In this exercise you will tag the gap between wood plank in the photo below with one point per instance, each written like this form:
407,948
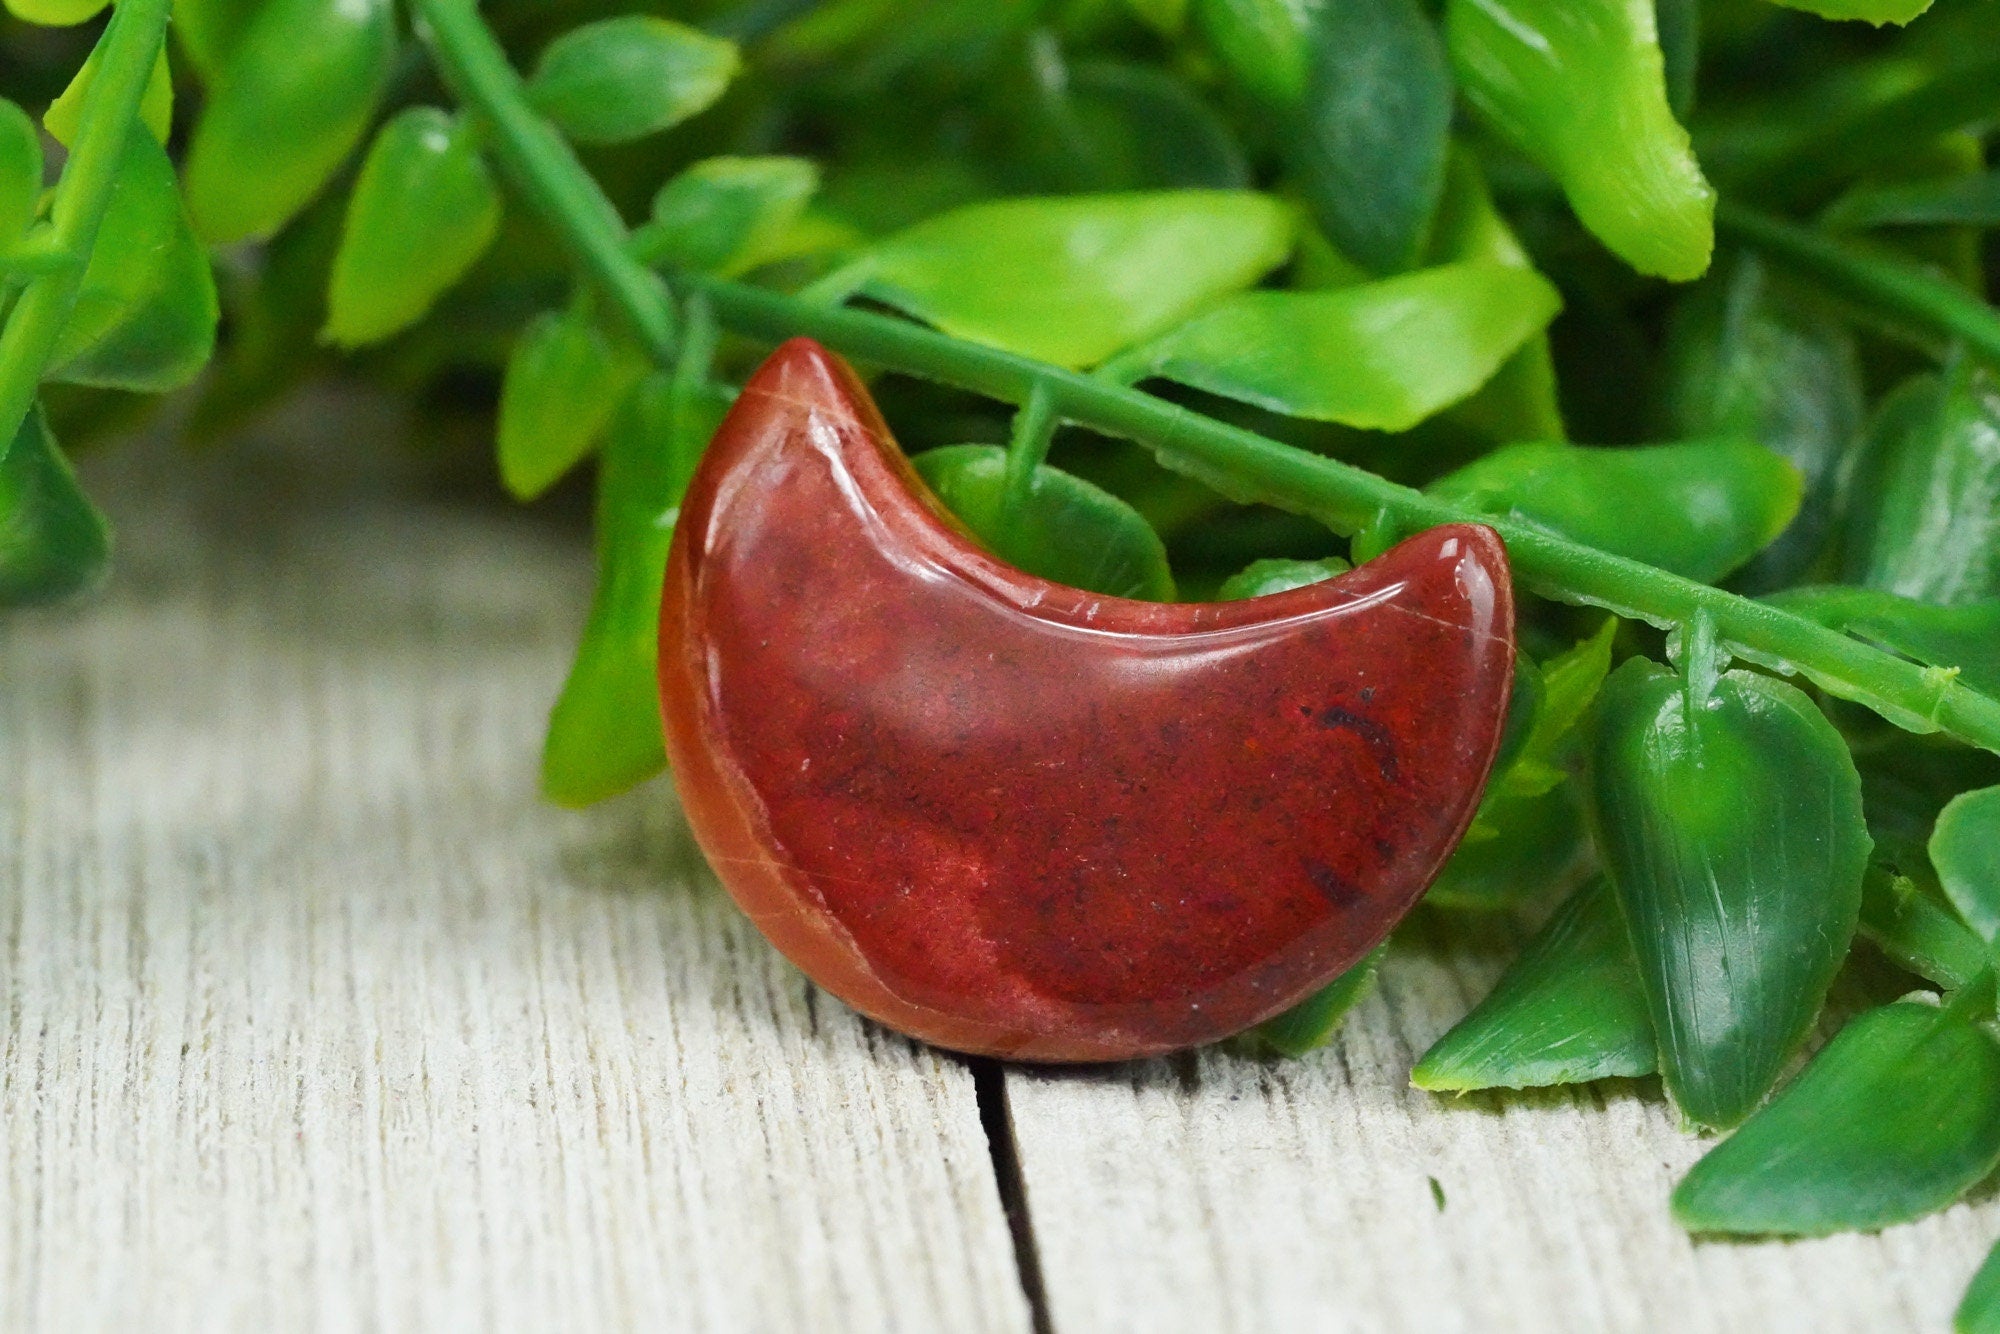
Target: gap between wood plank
989,1086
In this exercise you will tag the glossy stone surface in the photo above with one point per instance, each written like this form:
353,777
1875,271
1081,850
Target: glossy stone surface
1011,817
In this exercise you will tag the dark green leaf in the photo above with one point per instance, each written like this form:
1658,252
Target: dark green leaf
53,542
1918,932
424,209
1113,125
285,110
1679,24
1710,505
1373,128
1068,531
623,78
564,380
1959,201
1264,577
1897,1117
1729,817
1312,1023
727,214
1073,280
1569,1010
20,173
1382,355
1979,1311
1521,847
1964,639
1965,849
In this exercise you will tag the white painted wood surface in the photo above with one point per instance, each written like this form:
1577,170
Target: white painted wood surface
314,1017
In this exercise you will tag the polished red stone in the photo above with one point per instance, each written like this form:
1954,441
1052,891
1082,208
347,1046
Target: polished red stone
1012,817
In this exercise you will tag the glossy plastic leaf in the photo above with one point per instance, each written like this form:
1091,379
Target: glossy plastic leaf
1729,817
1571,1009
1927,514
1382,355
1917,931
20,173
1877,12
1117,125
53,542
1710,505
1072,280
1374,127
564,380
1897,1117
1964,639
1580,86
285,110
624,78
146,310
1067,531
1965,849
208,30
604,733
424,209
1311,1023
156,104
1752,358
1264,577
727,214
1521,848
55,13
1956,201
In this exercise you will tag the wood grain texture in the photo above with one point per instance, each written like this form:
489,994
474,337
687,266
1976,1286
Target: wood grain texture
315,1017
1216,1192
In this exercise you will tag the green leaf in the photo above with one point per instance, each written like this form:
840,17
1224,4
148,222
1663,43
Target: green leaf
1374,128
1896,1118
1729,817
1521,847
1382,355
604,733
1068,531
146,311
1877,12
1114,125
1263,43
1749,357
1964,639
56,13
1927,491
1957,201
1979,1311
285,110
1167,17
1965,849
564,380
1312,1023
1073,280
1710,505
156,104
1264,577
624,78
53,542
1918,932
727,214
1580,86
424,209
1569,1010
20,174
209,30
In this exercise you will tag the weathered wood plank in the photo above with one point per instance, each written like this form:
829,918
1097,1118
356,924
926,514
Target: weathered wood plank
314,1017
1221,1193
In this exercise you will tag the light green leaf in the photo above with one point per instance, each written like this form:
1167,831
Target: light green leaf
1729,818
1067,531
1521,847
1072,280
55,13
209,30
53,542
727,214
156,104
20,174
1382,355
564,380
1263,43
1964,639
627,77
1265,577
1311,1023
1167,17
424,209
1896,1118
1877,12
1965,849
1569,1010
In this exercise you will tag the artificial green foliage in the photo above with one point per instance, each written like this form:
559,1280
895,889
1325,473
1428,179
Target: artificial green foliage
1116,125
20,173
1580,86
1728,813
55,13
1060,527
1263,43
1521,849
1383,355
1956,201
1311,1023
1927,515
1898,1116
1717,502
1979,1312
1877,12
1964,640
565,378
1913,926
53,542
423,210
208,30
1073,280
1965,849
728,214
145,313
156,111
1265,577
1569,1010
624,78
293,99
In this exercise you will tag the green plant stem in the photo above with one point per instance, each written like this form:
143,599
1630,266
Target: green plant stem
1034,429
1894,285
1239,463
126,53
545,169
